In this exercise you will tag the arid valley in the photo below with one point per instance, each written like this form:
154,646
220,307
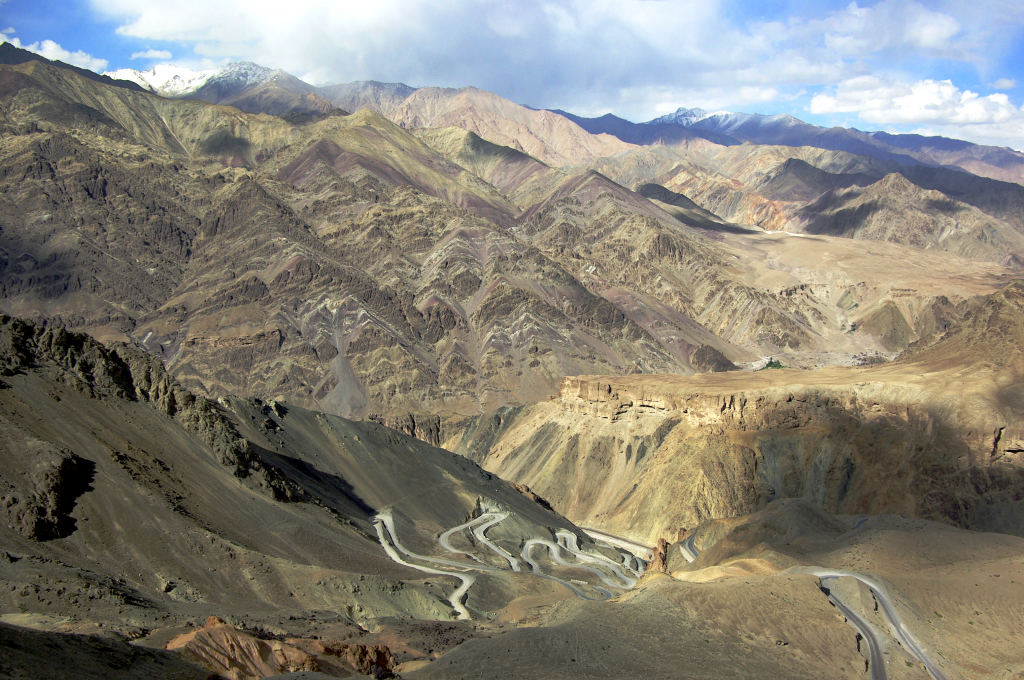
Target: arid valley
364,379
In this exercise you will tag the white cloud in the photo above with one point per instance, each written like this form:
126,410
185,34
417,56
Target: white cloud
889,25
532,51
1003,84
881,101
537,50
152,54
54,52
637,58
8,30
937,106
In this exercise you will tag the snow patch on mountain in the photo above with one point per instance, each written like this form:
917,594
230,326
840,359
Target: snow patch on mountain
726,121
686,117
244,74
176,81
166,79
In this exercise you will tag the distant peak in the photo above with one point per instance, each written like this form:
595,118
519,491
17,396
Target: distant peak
685,116
175,81
166,79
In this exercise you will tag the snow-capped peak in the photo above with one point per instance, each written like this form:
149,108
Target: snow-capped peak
175,81
685,116
244,74
165,79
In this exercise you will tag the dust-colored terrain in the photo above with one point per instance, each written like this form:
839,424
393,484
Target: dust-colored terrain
353,267
937,434
813,190
790,378
133,508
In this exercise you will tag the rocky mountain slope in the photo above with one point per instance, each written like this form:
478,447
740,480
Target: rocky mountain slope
544,135
895,210
14,56
785,189
130,503
347,265
729,128
937,434
149,532
552,138
383,98
242,85
186,500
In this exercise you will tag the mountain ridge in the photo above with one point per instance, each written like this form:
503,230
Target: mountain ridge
719,127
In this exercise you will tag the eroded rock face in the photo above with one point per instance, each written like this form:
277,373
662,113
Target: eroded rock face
349,267
935,436
239,655
37,502
659,562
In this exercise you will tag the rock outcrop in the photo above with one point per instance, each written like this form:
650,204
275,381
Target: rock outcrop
353,266
659,561
239,655
37,502
936,435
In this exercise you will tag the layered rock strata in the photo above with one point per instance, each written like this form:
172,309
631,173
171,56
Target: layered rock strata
938,435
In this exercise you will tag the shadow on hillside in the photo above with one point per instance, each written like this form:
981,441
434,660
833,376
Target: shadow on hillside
26,653
76,480
330,489
843,222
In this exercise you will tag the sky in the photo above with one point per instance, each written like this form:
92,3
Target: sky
949,67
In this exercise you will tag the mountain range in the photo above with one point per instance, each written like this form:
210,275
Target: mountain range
360,267
728,128
223,86
368,379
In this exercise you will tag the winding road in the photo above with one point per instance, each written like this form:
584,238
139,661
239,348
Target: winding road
896,626
384,523
875,647
613,575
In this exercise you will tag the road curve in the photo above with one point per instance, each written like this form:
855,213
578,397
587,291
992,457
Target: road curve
896,626
480,532
384,524
444,538
688,549
866,630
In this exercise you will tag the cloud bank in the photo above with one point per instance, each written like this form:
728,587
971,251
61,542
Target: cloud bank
640,57
876,100
636,58
152,54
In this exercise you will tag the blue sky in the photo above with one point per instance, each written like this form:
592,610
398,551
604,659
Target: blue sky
949,68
